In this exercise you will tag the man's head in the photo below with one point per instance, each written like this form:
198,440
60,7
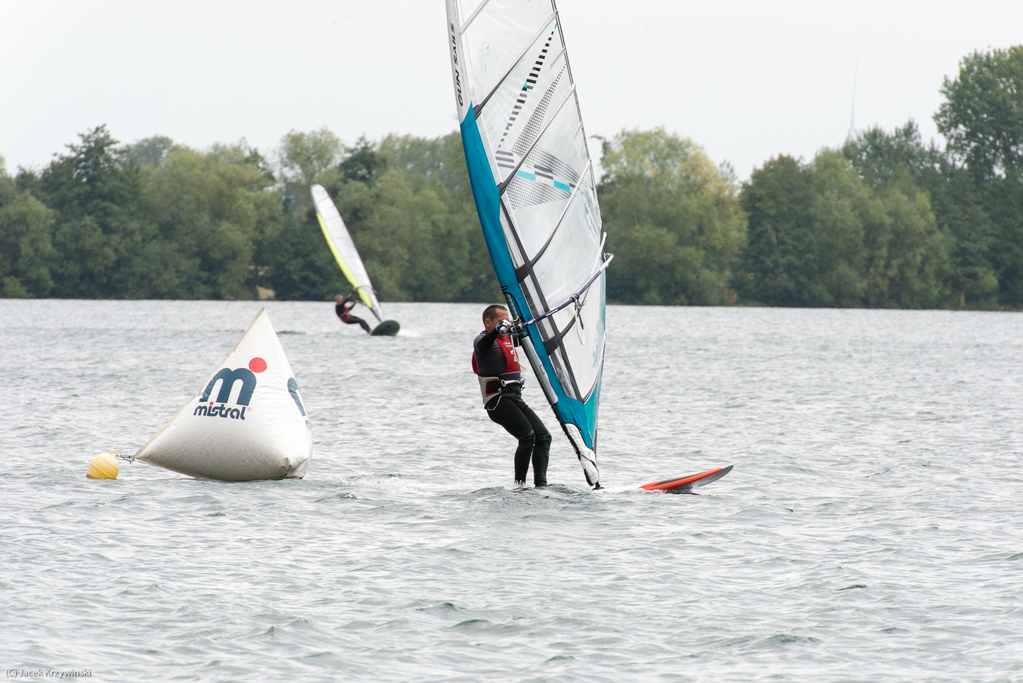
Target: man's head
339,299
492,315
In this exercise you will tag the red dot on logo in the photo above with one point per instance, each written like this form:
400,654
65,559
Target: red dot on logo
257,364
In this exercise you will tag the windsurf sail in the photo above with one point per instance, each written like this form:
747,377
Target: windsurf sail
534,186
343,248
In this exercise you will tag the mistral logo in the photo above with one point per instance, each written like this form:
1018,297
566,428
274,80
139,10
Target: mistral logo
228,378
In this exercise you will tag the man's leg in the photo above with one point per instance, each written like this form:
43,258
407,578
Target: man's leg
508,414
362,322
541,446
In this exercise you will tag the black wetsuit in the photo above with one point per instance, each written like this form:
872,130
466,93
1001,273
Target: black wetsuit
511,412
342,309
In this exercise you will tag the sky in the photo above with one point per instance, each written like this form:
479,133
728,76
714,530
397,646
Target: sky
746,80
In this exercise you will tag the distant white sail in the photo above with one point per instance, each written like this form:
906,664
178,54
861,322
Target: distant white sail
246,422
343,248
534,186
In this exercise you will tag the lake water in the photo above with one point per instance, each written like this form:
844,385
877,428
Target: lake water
870,530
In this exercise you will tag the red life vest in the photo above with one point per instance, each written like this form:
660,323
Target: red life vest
511,356
491,386
346,311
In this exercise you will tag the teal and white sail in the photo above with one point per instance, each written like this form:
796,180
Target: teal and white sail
534,186
343,248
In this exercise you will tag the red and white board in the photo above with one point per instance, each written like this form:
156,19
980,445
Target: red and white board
687,483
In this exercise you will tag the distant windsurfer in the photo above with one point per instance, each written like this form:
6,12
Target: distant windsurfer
496,362
344,307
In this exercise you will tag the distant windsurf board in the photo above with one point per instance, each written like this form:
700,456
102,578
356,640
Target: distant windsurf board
387,328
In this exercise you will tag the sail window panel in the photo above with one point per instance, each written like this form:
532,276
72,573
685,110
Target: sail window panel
466,8
545,181
581,346
546,329
572,257
520,110
583,358
496,37
535,303
589,190
589,361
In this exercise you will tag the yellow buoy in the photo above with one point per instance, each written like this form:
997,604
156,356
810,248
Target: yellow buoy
104,466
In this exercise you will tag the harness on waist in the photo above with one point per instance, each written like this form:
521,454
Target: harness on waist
509,384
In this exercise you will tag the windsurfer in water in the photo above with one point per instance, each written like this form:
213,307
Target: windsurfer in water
344,307
496,362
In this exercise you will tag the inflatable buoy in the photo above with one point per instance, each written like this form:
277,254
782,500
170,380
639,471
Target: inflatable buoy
247,421
104,466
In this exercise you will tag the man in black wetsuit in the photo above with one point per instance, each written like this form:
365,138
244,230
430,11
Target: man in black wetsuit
496,363
343,308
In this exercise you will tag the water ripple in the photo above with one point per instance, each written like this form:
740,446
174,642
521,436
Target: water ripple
867,533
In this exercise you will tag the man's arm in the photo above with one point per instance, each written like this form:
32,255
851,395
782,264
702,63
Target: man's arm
484,343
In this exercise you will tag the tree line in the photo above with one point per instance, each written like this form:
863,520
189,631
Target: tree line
155,219
885,221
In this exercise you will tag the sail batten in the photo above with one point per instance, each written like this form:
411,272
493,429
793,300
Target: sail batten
533,182
473,16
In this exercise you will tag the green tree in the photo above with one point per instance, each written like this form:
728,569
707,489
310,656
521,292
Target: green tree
907,256
100,225
777,201
438,164
407,203
25,246
820,236
211,209
400,231
298,261
886,160
362,163
982,117
805,235
982,120
661,197
306,159
878,155
1003,204
150,151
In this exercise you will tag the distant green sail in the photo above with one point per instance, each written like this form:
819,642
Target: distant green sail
343,248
